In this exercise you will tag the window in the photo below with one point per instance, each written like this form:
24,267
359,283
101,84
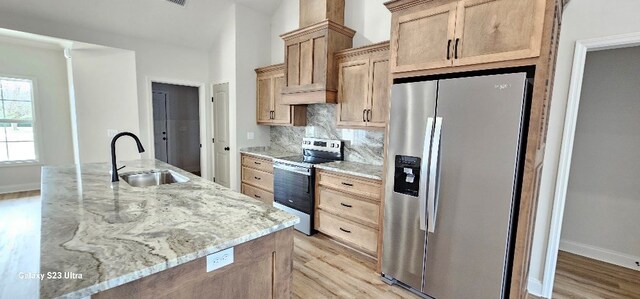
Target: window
17,138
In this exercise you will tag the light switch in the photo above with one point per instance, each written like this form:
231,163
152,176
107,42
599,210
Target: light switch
250,136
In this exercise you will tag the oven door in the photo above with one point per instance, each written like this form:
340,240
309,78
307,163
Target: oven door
293,186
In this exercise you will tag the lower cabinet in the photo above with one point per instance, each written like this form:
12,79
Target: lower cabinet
257,178
261,268
348,210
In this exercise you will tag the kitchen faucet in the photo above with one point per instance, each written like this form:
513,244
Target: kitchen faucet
114,167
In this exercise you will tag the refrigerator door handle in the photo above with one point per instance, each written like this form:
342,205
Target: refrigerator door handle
422,191
434,177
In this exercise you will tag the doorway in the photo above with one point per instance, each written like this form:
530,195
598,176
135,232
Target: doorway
176,125
221,134
594,245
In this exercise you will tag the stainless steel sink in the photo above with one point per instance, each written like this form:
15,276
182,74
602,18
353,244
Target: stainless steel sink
153,178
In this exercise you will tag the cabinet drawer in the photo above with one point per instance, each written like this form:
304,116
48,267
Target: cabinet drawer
257,178
360,236
351,185
257,193
257,163
348,206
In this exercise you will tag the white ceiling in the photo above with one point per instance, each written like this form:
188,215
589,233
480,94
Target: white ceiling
195,25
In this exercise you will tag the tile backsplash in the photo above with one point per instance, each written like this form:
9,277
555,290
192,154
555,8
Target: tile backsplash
363,146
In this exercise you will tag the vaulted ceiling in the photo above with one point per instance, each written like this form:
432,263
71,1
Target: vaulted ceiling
194,25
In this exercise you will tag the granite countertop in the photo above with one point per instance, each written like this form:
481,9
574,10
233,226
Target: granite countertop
112,234
367,171
268,152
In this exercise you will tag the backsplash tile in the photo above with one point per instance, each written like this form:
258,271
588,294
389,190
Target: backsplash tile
362,146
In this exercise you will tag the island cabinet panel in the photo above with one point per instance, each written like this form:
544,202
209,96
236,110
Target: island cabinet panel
311,71
269,107
348,209
363,90
440,34
261,269
257,178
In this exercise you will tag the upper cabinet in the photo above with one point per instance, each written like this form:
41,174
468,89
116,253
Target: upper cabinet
270,109
428,36
310,67
363,86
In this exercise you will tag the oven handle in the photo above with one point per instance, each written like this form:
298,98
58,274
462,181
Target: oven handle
293,168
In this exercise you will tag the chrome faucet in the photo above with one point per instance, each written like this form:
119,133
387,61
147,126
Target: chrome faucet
114,167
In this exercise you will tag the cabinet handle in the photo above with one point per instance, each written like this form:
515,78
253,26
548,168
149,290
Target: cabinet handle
346,205
449,49
257,196
257,163
344,230
257,178
455,51
363,115
369,115
347,184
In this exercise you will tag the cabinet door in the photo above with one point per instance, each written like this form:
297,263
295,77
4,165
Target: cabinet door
282,113
379,98
498,30
422,40
263,106
353,92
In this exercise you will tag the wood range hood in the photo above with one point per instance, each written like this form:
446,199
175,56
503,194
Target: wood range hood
311,70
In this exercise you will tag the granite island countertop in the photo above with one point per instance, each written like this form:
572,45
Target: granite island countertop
268,152
367,171
112,234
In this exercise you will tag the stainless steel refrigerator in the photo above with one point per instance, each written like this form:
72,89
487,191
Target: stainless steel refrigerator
452,184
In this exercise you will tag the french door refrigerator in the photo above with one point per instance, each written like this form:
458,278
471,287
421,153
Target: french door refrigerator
453,184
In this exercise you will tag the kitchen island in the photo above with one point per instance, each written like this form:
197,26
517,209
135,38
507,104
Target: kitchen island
112,240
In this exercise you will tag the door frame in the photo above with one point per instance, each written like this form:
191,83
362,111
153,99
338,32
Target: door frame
568,137
205,155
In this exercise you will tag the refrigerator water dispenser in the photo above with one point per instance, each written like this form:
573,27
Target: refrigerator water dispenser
407,175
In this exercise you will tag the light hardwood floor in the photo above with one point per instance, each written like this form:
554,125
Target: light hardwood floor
324,269
581,277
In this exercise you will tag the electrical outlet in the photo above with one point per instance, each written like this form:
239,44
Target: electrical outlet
219,259
250,135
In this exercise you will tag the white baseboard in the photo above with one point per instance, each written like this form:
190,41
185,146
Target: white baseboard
19,188
601,254
534,287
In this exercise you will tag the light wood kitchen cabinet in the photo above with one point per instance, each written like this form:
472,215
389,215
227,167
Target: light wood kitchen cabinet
435,35
348,209
269,107
310,67
257,178
314,11
363,86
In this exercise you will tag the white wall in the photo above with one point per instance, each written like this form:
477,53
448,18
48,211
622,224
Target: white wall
153,60
369,18
105,99
243,46
603,207
581,20
285,18
48,66
252,40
